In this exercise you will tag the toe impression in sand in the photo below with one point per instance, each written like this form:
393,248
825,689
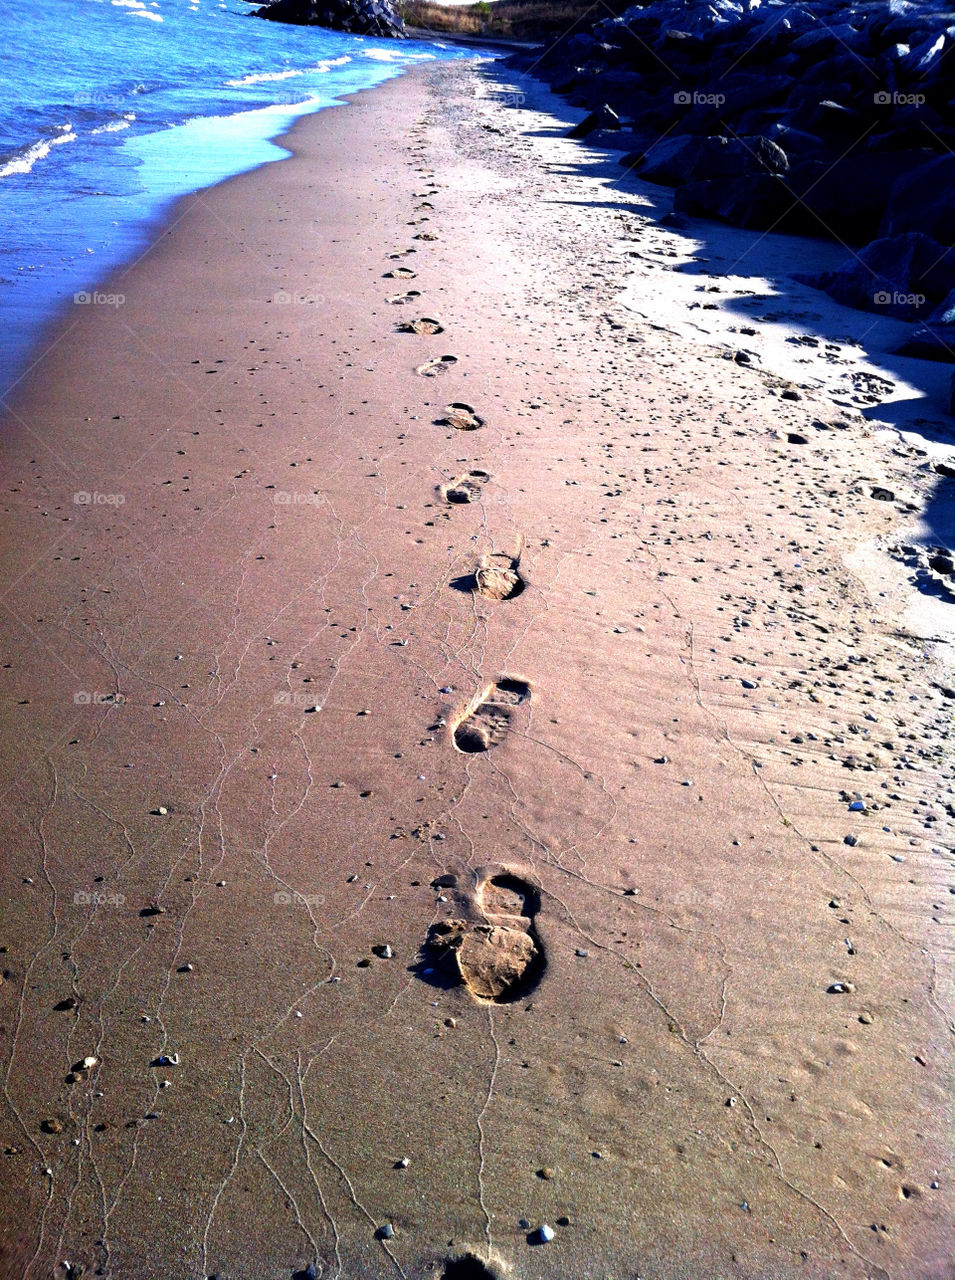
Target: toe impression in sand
494,949
433,368
461,416
464,488
497,576
427,325
485,720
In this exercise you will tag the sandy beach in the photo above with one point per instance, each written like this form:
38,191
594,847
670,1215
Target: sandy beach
470,764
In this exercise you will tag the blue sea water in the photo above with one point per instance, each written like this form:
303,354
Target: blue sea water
110,109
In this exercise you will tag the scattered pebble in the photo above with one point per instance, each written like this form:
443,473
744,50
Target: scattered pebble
545,1233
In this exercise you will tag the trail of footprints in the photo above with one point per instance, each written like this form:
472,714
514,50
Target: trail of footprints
491,945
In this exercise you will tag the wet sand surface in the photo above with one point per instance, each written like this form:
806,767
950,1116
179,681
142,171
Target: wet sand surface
454,783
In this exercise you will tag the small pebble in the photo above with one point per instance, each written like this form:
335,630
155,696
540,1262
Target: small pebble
402,1163
546,1233
387,1232
857,806
582,953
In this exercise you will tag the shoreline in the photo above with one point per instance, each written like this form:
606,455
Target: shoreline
99,235
267,782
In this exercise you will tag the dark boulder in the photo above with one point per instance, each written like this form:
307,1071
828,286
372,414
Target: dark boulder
935,339
846,198
360,17
924,200
669,161
901,276
603,118
759,200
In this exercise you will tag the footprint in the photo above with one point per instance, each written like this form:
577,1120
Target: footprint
425,235
439,365
401,273
497,578
485,720
399,298
460,416
423,324
494,949
468,1266
465,487
401,253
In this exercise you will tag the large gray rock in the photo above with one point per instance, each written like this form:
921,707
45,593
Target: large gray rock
935,339
603,118
902,276
924,200
757,200
360,17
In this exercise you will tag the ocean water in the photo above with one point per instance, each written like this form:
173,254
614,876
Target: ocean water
110,109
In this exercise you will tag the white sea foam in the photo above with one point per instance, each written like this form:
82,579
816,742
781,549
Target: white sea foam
144,13
25,161
116,126
395,55
264,77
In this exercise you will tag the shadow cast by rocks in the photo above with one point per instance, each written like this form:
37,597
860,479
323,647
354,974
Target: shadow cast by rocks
750,275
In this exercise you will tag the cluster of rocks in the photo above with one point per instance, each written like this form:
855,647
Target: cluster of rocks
819,117
360,17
